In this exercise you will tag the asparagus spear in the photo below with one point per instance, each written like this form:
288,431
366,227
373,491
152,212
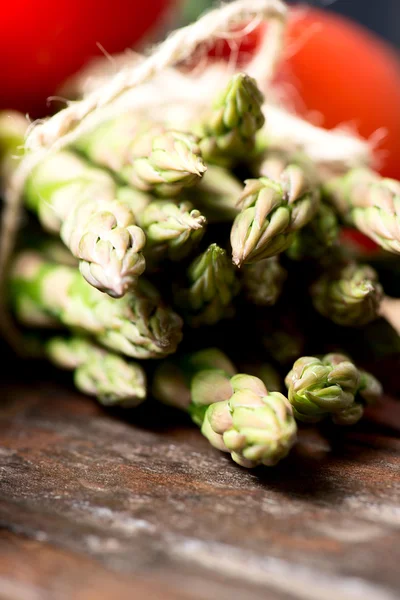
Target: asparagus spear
348,295
212,287
369,202
145,154
331,386
228,132
272,211
137,325
98,372
263,281
236,412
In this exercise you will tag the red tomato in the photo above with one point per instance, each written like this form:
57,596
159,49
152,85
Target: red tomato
356,240
42,42
350,76
344,72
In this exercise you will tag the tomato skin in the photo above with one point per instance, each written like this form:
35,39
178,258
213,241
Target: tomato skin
42,42
348,75
341,70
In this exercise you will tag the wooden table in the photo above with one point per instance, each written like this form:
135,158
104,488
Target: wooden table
94,506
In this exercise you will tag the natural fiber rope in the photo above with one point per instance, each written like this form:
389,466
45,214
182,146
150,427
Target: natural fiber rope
65,127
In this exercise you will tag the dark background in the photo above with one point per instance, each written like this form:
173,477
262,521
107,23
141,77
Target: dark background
381,16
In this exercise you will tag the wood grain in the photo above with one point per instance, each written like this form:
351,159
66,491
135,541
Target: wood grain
93,505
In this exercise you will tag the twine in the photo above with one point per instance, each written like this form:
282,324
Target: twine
65,127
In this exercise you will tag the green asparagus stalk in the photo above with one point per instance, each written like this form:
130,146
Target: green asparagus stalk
137,325
216,195
212,287
263,281
228,132
145,154
112,379
331,386
369,202
318,237
236,412
272,211
348,295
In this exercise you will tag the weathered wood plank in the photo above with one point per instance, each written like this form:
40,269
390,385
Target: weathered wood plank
152,500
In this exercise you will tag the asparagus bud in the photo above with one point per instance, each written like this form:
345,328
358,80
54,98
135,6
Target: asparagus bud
172,230
349,295
212,287
227,133
331,386
271,213
236,412
145,154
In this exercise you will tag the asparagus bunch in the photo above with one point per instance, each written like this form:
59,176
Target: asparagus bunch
198,205
235,412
